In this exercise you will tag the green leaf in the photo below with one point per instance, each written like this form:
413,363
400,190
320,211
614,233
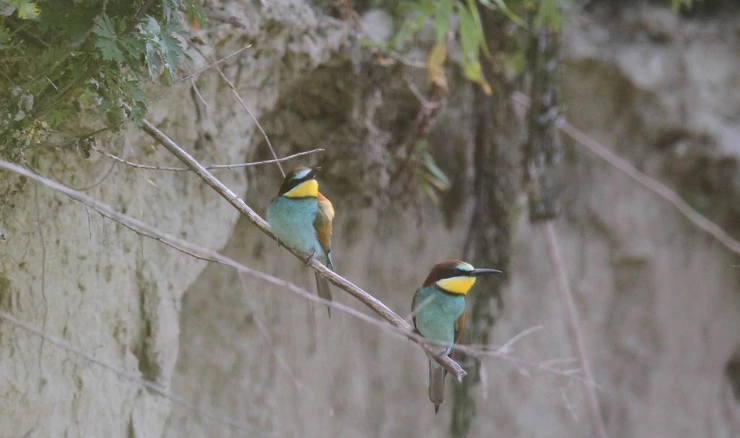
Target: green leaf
468,34
106,29
55,116
473,8
429,191
505,9
421,11
169,9
195,13
4,36
678,4
439,180
474,72
150,26
107,41
154,60
136,99
442,19
109,50
133,48
548,15
435,65
172,52
26,9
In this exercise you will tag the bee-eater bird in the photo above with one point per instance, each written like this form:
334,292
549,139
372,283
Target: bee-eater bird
301,217
438,310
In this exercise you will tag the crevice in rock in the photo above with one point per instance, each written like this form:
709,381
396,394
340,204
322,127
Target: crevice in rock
732,372
6,294
145,354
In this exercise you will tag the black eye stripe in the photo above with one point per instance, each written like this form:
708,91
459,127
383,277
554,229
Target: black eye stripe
456,272
289,184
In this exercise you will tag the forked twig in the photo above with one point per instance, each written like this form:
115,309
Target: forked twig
373,303
246,108
205,254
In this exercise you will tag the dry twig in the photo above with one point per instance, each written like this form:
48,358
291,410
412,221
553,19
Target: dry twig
244,105
205,254
574,329
646,181
211,65
212,167
373,303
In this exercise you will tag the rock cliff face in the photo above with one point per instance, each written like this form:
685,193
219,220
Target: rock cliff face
659,299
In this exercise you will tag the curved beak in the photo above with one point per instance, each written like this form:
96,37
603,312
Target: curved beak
484,271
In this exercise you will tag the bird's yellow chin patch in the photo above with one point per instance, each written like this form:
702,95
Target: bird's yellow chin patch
306,189
457,285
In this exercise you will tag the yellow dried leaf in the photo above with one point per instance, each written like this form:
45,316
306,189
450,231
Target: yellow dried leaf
435,65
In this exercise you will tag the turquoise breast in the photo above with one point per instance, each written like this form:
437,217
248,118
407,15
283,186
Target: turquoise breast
437,318
292,220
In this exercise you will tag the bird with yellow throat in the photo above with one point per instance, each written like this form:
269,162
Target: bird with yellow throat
301,218
438,310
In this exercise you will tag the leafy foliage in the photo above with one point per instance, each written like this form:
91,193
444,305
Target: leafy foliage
63,58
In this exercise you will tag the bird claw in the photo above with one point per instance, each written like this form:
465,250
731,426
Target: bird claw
310,257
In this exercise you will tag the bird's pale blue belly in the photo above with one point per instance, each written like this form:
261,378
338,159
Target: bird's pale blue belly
292,220
437,318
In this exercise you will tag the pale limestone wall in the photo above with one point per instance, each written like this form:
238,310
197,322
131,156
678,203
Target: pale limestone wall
108,291
660,300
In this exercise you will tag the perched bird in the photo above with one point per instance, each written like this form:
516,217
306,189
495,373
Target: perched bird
438,310
300,217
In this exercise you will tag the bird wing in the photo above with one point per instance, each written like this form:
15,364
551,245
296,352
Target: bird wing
413,310
459,327
322,224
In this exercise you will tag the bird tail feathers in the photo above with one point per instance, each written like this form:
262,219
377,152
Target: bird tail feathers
323,288
436,385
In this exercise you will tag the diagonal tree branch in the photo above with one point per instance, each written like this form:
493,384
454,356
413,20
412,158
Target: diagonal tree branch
209,255
373,303
646,181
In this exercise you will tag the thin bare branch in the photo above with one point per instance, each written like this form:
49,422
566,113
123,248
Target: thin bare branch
196,90
373,303
224,17
426,103
574,329
212,167
244,105
646,181
205,254
376,305
506,348
57,342
210,66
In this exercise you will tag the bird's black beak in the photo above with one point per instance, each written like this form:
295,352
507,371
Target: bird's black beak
313,172
484,271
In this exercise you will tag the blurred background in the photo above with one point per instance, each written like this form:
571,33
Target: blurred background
589,149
